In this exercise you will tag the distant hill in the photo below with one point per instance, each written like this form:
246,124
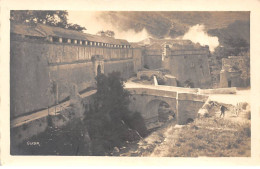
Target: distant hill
171,24
236,30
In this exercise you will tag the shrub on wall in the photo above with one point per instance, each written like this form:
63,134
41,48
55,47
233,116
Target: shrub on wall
144,77
188,84
160,81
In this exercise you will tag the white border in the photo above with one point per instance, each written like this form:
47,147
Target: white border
131,5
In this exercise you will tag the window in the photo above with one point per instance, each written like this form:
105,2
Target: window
55,39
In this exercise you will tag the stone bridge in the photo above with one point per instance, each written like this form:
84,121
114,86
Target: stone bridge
183,103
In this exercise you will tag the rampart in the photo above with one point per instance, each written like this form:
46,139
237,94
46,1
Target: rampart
43,69
189,66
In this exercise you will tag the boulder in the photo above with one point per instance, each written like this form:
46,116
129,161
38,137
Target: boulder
203,113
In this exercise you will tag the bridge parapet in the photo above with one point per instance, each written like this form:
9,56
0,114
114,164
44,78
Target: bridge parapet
153,92
130,85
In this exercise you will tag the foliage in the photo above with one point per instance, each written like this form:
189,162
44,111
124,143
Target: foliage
214,137
160,81
106,119
232,47
53,18
66,140
136,122
189,84
108,33
144,77
111,96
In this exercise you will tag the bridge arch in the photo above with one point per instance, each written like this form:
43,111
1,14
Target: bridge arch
159,110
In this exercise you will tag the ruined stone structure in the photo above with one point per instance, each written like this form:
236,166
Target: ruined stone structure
46,61
235,72
186,61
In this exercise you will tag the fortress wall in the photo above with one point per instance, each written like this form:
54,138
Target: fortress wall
153,61
126,67
36,65
29,78
65,75
193,67
64,53
153,58
137,56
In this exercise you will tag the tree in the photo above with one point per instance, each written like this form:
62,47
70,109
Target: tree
111,97
107,33
57,18
109,121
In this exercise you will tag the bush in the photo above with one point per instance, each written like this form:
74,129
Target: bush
189,84
105,120
160,81
245,130
144,77
136,122
248,114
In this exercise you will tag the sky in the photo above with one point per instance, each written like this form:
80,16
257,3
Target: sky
137,26
93,23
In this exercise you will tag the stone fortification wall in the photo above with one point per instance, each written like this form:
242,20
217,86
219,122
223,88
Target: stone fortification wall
188,106
235,72
138,58
42,72
189,66
153,58
126,67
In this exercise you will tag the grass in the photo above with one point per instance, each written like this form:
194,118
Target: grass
212,137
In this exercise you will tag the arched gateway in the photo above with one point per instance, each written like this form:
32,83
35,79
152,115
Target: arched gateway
98,61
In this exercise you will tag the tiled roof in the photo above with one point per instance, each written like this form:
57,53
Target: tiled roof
42,30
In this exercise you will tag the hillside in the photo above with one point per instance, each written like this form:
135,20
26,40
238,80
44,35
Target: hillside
170,24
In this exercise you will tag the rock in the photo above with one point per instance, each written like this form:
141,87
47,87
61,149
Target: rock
132,135
203,113
116,150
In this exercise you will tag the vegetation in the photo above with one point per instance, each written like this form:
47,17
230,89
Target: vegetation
214,137
107,33
144,77
109,121
188,84
160,81
107,124
52,18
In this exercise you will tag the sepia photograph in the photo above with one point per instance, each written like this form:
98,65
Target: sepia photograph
163,84
135,83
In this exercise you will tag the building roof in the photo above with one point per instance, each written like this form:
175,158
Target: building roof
41,30
175,44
